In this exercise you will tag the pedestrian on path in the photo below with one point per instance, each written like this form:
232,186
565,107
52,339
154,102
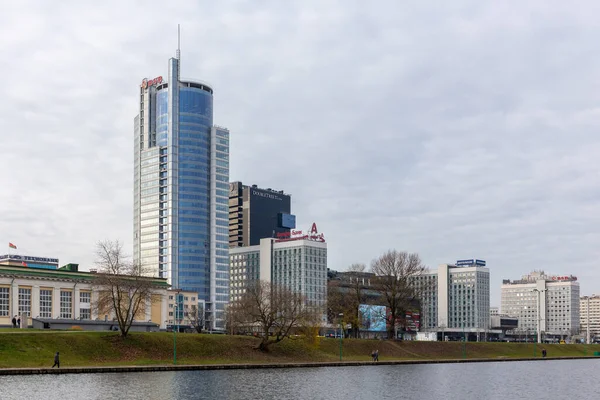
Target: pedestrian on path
376,355
56,361
14,321
544,353
19,322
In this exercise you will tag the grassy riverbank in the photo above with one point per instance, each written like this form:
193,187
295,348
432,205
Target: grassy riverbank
36,349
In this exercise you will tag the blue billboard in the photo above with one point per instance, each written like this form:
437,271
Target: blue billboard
287,221
481,263
372,318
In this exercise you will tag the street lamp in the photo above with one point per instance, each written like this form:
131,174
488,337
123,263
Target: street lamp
464,340
539,317
175,328
341,315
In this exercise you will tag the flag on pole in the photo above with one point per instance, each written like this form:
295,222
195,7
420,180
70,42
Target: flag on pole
24,264
12,246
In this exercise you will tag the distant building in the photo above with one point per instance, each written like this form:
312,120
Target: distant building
29,261
494,311
456,298
299,263
64,297
589,307
180,304
559,303
255,214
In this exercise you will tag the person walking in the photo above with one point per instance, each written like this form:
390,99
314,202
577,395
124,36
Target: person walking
376,355
14,321
56,361
19,322
544,353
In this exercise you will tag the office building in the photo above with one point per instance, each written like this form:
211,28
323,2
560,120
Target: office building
184,308
456,298
589,307
29,261
181,189
556,297
64,297
297,262
255,214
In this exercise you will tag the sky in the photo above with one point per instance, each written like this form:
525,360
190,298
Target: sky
461,129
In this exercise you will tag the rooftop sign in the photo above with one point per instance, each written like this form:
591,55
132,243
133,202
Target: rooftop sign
470,262
564,278
151,82
313,234
28,258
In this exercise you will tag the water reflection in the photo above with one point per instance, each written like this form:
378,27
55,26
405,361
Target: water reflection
505,380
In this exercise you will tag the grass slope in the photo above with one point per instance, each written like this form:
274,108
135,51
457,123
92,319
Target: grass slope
36,349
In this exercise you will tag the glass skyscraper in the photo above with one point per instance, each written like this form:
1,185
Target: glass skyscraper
181,189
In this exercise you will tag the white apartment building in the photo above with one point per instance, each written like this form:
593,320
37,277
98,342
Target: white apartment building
299,264
589,307
456,297
556,297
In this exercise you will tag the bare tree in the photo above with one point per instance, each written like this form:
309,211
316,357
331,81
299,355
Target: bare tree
123,287
195,317
272,311
395,272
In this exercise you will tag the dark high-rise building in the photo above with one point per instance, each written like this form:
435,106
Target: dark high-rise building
256,214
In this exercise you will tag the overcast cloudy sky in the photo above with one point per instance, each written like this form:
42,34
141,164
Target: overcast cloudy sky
453,129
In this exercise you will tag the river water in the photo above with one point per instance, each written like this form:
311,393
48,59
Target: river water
547,379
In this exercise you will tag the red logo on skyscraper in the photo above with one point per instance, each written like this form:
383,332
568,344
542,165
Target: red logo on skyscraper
151,82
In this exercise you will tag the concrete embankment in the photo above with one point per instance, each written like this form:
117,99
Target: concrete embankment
162,368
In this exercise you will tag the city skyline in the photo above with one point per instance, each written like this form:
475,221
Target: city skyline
467,130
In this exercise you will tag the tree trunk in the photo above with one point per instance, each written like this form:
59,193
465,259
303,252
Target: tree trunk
264,346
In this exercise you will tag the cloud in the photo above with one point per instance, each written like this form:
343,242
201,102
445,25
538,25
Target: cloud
455,130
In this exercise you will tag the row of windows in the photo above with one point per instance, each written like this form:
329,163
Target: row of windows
45,311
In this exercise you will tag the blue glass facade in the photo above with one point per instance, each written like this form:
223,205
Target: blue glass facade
195,122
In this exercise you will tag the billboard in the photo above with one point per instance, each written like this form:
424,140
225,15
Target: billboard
465,262
480,263
287,221
372,318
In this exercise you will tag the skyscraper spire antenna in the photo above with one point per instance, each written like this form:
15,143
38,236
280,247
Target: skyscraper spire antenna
178,53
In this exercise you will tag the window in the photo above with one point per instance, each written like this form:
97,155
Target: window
4,302
25,301
66,304
46,303
85,299
84,313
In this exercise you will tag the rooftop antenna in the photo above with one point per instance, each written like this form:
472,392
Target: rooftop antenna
178,53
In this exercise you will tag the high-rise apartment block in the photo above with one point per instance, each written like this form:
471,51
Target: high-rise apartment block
589,307
455,298
296,262
255,214
556,298
181,189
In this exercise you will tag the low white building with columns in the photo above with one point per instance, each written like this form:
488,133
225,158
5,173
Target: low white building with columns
65,294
